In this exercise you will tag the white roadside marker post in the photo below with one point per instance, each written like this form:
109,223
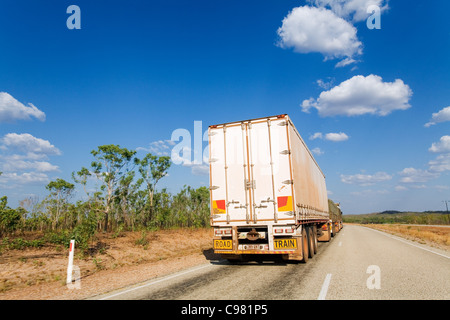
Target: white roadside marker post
70,266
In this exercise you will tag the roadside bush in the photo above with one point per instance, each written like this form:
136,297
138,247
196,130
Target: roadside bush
9,218
20,244
61,237
83,233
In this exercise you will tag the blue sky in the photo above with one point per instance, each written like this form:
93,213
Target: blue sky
138,70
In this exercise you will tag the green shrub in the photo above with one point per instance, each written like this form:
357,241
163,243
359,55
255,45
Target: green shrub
20,244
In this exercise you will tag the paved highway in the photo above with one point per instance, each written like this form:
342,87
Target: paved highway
359,263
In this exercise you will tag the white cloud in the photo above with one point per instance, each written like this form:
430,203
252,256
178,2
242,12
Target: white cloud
11,109
34,148
412,175
325,84
159,148
345,62
335,137
440,116
443,146
365,179
19,165
440,164
361,95
317,135
310,29
200,170
317,151
355,10
18,160
435,167
326,27
369,192
11,179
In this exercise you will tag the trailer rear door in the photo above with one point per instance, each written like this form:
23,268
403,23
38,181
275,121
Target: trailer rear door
250,172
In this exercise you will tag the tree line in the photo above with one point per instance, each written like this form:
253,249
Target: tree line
390,217
125,198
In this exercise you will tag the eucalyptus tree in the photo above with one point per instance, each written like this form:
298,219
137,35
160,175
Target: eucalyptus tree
9,218
152,169
111,166
60,192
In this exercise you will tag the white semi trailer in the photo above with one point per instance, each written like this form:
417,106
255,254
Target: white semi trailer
267,192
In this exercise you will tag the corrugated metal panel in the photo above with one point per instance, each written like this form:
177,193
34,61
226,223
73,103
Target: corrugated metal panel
261,171
309,181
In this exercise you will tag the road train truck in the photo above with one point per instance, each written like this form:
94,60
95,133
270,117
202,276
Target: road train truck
267,192
334,224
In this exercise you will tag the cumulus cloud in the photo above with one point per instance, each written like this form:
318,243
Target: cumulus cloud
355,10
440,116
345,62
365,179
11,109
440,164
311,29
317,151
326,27
368,192
317,135
412,175
335,137
200,170
20,160
34,148
325,84
442,161
11,179
361,95
159,148
443,146
20,165
435,167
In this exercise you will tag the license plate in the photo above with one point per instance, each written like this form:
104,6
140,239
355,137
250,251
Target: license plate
251,247
285,244
223,244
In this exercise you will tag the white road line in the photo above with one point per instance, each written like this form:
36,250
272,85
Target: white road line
404,241
157,281
324,290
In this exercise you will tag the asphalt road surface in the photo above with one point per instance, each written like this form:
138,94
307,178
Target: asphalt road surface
359,263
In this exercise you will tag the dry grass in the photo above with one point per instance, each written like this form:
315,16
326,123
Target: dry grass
432,235
129,258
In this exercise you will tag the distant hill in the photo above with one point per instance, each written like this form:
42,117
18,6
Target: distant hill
391,211
394,216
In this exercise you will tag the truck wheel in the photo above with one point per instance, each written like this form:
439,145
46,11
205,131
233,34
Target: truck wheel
314,232
329,232
310,242
304,246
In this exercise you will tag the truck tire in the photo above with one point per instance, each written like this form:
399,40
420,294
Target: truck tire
305,246
310,242
315,239
328,232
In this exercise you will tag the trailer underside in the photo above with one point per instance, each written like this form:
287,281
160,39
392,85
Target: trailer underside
291,242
